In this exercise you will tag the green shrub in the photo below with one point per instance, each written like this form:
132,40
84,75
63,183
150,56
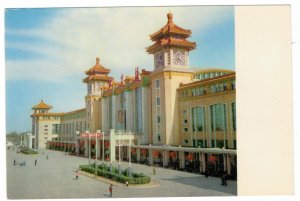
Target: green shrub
27,150
103,171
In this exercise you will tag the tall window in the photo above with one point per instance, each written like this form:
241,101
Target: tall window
157,83
218,117
233,116
198,118
55,128
138,110
121,116
158,120
110,113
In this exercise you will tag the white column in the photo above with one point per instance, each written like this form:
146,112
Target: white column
150,156
112,147
76,146
104,114
114,112
129,111
145,115
86,147
203,162
228,164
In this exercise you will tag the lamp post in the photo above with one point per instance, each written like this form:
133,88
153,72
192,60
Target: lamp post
89,147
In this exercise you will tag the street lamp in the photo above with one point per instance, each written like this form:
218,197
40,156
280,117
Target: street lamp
103,148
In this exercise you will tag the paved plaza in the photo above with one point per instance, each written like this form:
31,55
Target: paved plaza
55,178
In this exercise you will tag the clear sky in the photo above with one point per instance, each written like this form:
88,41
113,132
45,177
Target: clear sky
47,50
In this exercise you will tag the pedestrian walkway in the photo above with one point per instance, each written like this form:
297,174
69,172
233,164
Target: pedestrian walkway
55,178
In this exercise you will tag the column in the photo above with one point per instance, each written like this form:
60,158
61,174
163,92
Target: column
208,126
114,112
77,146
145,115
104,114
86,148
138,154
165,154
150,157
129,111
203,162
230,126
97,150
181,159
112,147
228,164
224,162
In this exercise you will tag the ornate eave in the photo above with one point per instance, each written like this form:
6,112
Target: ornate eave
97,78
171,42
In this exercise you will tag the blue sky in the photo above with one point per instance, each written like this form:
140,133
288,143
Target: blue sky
47,50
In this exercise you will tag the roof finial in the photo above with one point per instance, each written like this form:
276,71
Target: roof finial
170,17
97,59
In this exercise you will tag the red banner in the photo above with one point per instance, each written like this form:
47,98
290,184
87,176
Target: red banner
91,135
172,154
190,157
212,159
144,152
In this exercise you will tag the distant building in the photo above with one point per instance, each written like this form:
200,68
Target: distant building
45,124
171,116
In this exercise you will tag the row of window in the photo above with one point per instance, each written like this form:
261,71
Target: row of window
158,125
214,143
214,88
218,118
208,75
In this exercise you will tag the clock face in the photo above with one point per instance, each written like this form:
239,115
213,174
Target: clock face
178,57
159,59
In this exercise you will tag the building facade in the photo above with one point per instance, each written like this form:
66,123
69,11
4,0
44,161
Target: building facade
172,116
45,124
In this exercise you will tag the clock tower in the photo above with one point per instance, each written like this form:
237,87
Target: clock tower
171,67
97,77
171,47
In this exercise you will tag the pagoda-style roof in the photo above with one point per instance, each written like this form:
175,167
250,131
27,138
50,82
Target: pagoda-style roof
167,42
170,29
42,105
170,35
97,69
97,73
97,77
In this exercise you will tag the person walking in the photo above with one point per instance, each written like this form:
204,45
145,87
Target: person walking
127,183
14,162
35,162
206,173
47,156
77,174
110,190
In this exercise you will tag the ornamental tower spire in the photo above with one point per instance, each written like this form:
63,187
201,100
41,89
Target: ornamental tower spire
171,46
